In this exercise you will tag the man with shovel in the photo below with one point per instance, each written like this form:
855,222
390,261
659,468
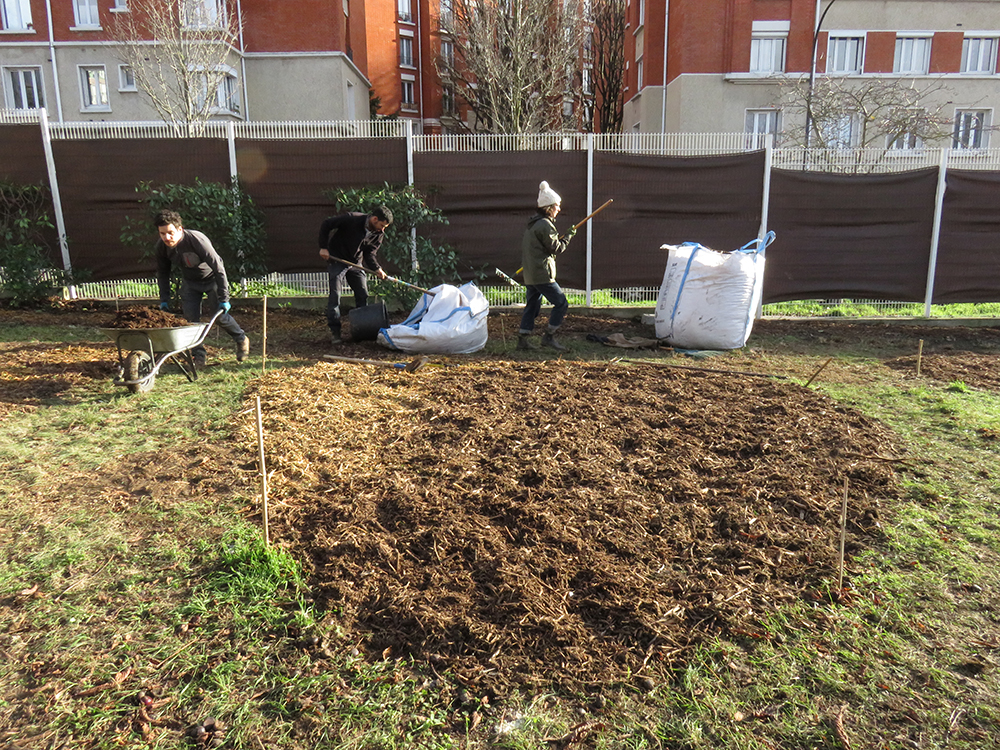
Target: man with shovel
354,237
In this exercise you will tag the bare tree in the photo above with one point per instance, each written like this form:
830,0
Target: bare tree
514,62
177,52
877,113
605,49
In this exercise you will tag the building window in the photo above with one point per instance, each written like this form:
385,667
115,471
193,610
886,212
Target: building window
406,51
228,94
913,55
15,14
448,99
971,129
448,52
844,54
126,78
23,88
587,80
94,88
202,14
86,13
120,6
841,132
409,100
767,47
979,55
905,142
445,13
760,123
403,10
638,74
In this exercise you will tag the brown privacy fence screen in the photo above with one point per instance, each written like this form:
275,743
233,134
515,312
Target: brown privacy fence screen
856,236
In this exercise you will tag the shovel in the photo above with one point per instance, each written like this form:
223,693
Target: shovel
388,278
411,366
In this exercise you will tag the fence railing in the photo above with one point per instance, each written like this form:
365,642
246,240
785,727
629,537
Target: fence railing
849,161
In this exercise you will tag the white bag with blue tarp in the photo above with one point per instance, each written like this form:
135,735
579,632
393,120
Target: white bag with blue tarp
452,320
708,299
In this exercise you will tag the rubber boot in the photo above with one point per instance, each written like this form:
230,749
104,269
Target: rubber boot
524,342
549,340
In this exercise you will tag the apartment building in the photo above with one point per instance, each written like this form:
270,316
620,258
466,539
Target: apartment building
713,66
301,60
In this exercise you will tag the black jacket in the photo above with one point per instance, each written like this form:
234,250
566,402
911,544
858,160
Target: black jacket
352,240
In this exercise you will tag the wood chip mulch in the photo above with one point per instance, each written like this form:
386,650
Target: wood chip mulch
533,524
145,317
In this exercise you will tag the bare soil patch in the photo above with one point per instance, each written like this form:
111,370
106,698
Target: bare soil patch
562,524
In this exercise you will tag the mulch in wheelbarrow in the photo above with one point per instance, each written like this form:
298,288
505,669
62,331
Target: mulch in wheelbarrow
544,524
145,317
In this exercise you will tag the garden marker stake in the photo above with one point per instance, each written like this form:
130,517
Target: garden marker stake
920,354
263,338
263,474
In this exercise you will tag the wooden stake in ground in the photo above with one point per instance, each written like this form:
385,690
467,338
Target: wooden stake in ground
920,354
843,539
263,474
263,338
808,382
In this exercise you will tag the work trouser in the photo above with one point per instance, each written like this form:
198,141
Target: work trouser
191,300
533,305
356,279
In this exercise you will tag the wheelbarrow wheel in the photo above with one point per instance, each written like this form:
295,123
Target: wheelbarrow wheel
137,366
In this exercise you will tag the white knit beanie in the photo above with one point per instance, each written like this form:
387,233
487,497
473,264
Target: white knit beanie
547,196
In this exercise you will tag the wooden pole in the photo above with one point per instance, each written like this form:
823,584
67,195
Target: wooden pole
809,382
263,339
843,539
263,474
920,354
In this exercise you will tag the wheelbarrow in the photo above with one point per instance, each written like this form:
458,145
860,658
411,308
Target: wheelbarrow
143,351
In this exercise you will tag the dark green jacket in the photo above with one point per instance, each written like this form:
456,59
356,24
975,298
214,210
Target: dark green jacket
539,248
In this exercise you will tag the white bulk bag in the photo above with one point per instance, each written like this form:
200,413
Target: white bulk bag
450,321
708,299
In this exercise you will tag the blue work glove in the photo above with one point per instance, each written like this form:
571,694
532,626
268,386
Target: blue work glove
164,305
225,306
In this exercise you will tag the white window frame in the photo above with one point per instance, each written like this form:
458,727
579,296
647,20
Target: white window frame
126,78
845,53
404,11
979,55
203,14
758,123
448,99
972,129
905,142
9,83
86,14
15,15
352,110
87,103
120,6
843,134
913,54
768,45
227,93
406,51
448,52
408,83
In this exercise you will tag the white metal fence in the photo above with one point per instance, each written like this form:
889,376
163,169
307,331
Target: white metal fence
860,161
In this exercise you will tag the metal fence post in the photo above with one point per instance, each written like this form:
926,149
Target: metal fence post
590,208
414,263
50,164
936,230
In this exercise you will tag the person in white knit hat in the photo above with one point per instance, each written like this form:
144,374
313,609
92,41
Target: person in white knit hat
539,247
